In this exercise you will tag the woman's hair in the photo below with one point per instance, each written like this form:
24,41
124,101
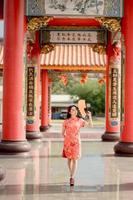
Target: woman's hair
69,109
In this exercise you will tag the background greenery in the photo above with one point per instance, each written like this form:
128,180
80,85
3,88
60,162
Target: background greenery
92,92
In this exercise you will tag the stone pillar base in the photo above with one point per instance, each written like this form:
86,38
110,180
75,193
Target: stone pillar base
33,135
110,137
44,128
2,174
124,149
14,147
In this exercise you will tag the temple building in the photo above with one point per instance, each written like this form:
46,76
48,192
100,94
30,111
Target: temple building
50,36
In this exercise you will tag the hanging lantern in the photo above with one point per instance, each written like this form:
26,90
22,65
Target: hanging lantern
84,78
117,49
32,50
29,49
101,81
64,79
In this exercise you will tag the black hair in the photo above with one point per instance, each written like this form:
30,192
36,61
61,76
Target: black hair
69,109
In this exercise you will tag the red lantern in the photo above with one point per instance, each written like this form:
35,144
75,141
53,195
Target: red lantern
32,50
84,78
29,49
64,79
101,81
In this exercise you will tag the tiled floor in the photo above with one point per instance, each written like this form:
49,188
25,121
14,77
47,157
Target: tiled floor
44,175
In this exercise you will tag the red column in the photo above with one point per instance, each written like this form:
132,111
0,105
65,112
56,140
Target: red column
112,123
125,146
44,101
49,103
13,78
33,92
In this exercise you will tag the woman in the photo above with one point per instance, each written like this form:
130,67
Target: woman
72,143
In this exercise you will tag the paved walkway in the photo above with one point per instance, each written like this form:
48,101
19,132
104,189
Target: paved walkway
44,174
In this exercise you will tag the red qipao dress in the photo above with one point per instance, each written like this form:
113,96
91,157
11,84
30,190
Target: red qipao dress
72,142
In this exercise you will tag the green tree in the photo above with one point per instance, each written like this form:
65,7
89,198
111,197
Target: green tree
91,91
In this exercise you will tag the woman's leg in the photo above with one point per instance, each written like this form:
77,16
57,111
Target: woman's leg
73,168
70,166
73,171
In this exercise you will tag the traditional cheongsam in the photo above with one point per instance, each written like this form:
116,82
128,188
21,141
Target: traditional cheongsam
72,142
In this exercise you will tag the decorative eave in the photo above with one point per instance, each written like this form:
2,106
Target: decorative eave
74,57
75,68
111,24
36,23
71,68
47,48
99,48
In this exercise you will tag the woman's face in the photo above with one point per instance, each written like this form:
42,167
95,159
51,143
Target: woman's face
73,111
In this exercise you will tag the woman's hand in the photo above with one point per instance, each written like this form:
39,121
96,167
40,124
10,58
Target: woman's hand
88,113
88,119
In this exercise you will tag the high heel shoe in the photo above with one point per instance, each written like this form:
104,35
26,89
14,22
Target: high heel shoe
71,181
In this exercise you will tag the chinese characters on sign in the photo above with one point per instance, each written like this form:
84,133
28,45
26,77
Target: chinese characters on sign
114,93
73,37
30,91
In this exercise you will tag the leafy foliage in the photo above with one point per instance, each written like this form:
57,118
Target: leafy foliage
91,92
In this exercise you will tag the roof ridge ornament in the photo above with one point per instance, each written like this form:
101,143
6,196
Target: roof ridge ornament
36,23
111,24
99,48
47,48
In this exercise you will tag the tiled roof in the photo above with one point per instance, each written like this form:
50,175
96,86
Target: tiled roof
80,55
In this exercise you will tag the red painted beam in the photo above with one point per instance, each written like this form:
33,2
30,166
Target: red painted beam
74,22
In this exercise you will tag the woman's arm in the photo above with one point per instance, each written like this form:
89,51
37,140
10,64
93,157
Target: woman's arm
63,131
